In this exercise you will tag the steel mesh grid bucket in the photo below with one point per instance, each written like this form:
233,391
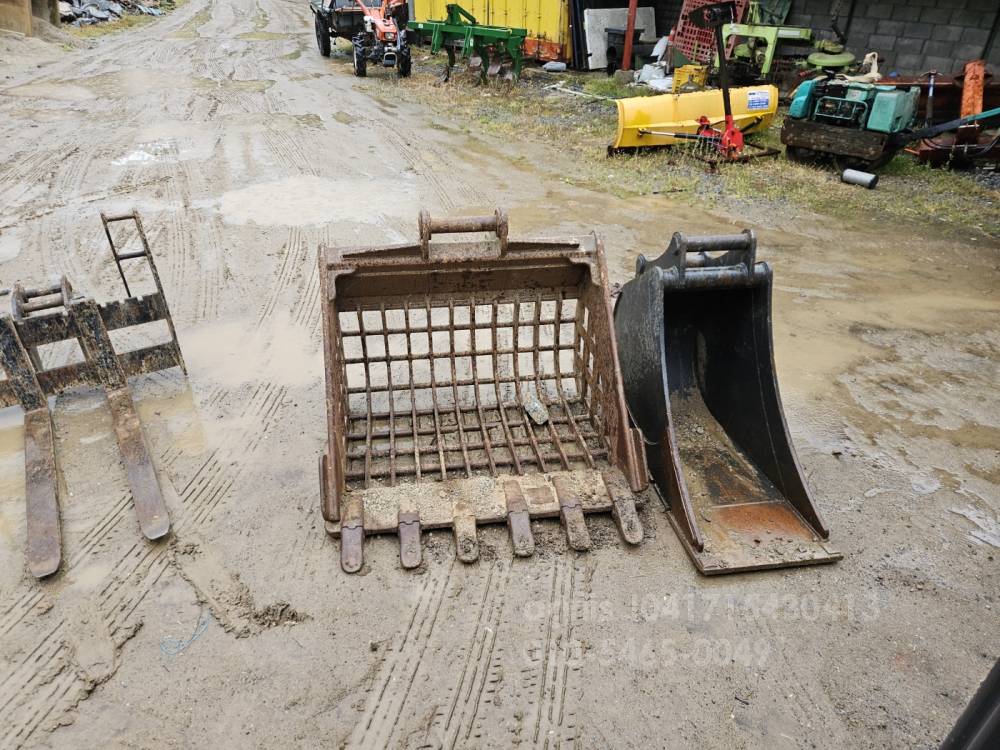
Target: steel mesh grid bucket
468,362
435,390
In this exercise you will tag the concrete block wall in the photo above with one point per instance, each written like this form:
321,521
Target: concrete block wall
912,36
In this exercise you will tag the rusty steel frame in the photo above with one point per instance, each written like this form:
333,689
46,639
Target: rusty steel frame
481,374
48,315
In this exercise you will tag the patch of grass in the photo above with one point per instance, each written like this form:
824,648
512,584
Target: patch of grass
581,128
612,88
907,192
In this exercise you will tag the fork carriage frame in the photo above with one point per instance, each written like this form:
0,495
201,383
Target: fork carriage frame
483,376
48,315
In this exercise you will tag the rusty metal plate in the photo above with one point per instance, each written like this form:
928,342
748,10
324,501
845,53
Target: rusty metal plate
43,547
352,536
756,536
146,494
485,498
466,541
571,513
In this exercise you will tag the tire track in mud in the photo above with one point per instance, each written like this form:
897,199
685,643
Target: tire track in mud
289,153
293,253
413,156
26,172
388,691
480,670
132,576
472,662
549,676
68,180
801,689
429,692
131,579
308,311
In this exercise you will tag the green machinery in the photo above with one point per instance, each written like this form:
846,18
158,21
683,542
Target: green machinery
498,48
756,43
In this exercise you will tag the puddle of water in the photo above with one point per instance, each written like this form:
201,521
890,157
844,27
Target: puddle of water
235,353
252,86
988,531
255,121
190,29
11,460
156,151
309,120
188,140
10,246
173,416
51,90
131,82
305,200
261,36
41,115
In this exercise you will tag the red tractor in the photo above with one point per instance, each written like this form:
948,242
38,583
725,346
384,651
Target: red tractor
377,33
383,38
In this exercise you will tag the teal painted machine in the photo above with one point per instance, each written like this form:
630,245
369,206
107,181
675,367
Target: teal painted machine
884,109
848,120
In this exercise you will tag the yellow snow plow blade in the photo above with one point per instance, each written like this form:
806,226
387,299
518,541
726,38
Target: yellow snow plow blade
753,109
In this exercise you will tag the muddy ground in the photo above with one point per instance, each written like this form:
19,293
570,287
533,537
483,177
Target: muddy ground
244,150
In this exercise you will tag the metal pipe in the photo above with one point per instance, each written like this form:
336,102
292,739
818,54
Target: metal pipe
857,177
717,242
720,50
46,302
629,33
728,277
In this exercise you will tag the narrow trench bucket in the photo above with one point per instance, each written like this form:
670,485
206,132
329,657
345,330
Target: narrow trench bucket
694,338
472,382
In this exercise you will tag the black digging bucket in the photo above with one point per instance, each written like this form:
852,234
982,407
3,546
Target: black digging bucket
694,341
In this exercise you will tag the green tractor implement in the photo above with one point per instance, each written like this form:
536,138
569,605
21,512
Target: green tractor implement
755,57
497,50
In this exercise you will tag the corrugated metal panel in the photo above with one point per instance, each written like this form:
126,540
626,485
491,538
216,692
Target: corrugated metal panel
547,21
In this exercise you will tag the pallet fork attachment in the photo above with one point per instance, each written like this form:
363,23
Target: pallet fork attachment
48,315
694,340
472,382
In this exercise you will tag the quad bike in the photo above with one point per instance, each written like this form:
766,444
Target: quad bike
382,39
